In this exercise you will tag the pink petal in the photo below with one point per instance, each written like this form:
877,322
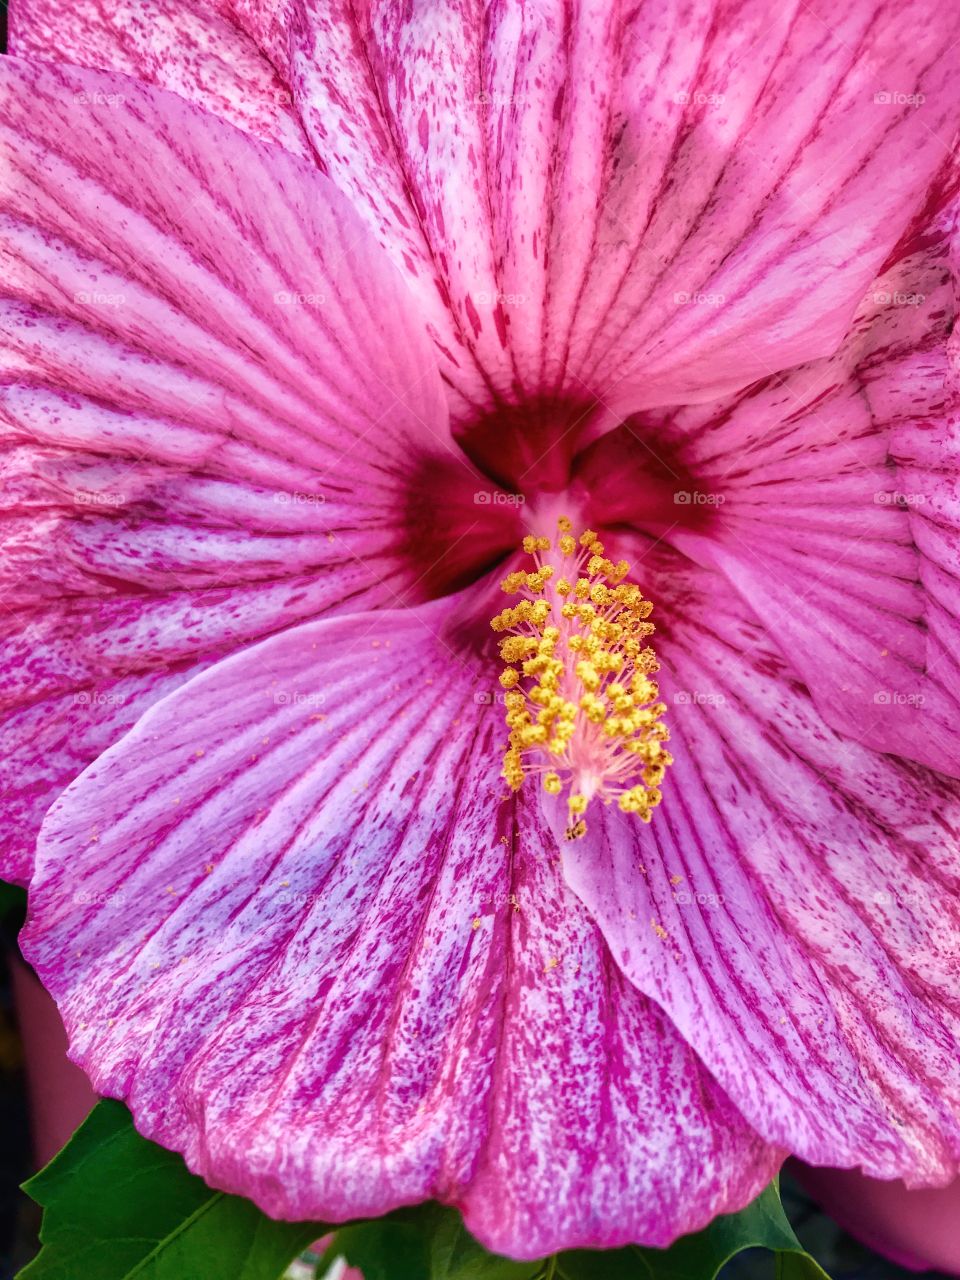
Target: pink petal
793,907
183,45
637,203
318,952
217,417
916,1229
837,513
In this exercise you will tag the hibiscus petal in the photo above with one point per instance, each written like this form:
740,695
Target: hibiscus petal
216,416
793,906
636,202
185,46
293,921
834,513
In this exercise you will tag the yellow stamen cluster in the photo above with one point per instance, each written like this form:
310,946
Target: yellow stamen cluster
581,706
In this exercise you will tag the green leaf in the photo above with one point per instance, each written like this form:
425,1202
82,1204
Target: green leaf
13,903
428,1242
431,1243
383,1249
117,1207
799,1266
761,1225
455,1255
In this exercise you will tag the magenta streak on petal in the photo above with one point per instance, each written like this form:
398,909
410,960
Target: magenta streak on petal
319,953
626,202
183,46
793,905
824,522
217,415
314,950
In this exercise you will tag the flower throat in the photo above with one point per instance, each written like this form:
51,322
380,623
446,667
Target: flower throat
581,706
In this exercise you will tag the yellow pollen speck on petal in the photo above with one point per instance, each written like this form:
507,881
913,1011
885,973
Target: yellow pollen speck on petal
581,708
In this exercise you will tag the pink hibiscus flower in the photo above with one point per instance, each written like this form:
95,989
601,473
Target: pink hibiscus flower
280,363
